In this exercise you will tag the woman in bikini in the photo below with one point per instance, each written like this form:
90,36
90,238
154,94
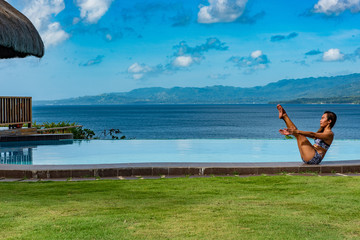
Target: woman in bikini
311,154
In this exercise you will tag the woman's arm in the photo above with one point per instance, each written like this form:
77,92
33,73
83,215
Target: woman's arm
323,135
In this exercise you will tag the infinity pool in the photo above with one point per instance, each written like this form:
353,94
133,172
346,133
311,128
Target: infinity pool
70,152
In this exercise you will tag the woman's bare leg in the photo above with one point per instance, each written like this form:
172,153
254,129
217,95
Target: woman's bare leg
283,115
306,149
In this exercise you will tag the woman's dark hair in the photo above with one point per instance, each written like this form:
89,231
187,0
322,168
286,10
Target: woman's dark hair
331,116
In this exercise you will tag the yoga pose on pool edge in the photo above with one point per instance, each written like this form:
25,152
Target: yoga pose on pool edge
311,154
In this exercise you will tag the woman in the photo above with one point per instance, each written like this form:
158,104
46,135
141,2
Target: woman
311,154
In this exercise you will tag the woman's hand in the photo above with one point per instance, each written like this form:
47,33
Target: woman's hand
287,131
284,132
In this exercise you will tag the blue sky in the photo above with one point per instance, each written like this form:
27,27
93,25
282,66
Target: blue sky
100,46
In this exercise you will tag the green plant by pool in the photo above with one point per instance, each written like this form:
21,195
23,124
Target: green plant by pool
263,207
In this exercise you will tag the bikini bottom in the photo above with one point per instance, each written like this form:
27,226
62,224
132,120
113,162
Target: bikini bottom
315,160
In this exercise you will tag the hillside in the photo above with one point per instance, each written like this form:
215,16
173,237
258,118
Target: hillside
283,90
335,100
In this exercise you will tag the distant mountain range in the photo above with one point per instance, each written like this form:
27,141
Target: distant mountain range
337,100
306,90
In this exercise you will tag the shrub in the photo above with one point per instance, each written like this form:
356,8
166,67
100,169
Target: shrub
79,132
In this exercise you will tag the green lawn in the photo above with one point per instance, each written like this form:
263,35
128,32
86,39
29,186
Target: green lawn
263,207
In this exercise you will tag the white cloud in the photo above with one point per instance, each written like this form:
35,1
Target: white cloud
40,13
138,76
93,10
183,61
256,54
108,37
139,70
333,54
336,7
261,66
183,57
257,60
54,34
136,68
221,11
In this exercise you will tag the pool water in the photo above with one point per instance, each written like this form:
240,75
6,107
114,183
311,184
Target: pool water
70,152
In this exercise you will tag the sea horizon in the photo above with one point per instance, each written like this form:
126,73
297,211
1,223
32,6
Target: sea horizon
200,121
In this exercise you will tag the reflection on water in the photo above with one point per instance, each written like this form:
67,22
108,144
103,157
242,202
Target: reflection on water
21,155
22,152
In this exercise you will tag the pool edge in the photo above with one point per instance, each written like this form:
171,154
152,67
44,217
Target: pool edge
171,169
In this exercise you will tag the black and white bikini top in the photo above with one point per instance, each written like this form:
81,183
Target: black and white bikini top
321,143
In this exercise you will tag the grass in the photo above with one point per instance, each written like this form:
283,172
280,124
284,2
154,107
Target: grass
263,207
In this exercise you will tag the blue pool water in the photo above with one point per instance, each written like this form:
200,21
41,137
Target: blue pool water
185,150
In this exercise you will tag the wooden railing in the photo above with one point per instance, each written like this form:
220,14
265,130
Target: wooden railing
15,110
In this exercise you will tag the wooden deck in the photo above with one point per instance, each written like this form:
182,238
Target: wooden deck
17,111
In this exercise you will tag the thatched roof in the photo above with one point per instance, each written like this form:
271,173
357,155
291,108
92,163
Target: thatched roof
18,36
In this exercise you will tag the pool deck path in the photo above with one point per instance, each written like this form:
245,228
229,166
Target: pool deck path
9,171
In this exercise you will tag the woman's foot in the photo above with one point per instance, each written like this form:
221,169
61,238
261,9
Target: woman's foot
282,112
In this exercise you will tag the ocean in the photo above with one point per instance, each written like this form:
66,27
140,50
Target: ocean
243,121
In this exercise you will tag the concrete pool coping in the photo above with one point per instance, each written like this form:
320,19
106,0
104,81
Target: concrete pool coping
171,169
35,137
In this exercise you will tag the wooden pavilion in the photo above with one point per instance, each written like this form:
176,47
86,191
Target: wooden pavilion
15,113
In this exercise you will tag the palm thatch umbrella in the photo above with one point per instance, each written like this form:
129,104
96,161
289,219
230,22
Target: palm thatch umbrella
18,36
